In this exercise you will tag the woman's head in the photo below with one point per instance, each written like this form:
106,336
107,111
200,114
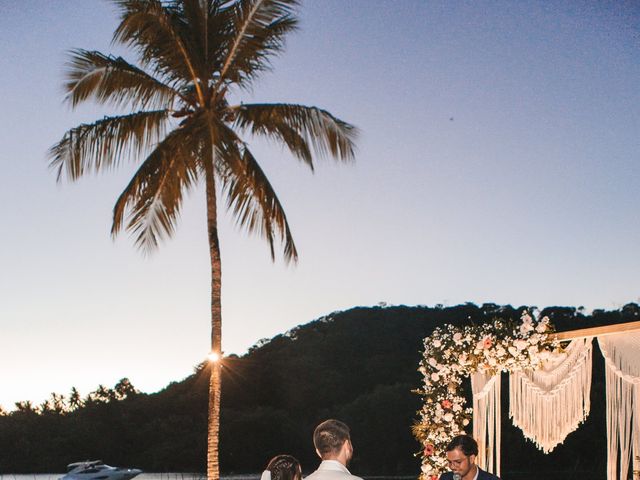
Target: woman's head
284,467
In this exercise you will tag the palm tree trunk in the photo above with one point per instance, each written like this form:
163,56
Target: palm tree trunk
213,430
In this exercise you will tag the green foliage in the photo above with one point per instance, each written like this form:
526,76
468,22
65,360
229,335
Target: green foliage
359,365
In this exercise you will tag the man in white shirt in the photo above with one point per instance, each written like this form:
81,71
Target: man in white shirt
333,445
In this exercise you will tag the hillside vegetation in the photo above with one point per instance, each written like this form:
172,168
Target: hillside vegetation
358,365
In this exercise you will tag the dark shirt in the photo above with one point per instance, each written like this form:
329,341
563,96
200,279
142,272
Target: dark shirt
482,475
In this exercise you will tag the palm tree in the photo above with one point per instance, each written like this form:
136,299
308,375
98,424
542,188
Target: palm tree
181,126
75,400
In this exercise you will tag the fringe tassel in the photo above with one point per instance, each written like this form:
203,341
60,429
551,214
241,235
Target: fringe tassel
549,404
622,371
486,420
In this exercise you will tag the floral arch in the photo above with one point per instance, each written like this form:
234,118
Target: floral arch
454,353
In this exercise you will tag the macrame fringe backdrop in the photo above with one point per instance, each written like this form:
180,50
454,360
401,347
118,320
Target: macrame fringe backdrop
622,366
486,420
550,403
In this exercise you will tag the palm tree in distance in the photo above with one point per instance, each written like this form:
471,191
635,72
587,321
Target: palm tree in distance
180,127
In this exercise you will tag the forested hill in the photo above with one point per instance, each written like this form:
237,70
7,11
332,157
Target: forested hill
358,365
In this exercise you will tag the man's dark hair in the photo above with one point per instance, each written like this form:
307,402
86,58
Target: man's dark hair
329,436
465,443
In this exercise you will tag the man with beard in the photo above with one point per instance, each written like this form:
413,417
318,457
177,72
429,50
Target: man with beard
461,455
333,445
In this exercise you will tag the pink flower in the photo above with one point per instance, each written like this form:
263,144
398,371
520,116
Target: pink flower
429,449
446,404
487,342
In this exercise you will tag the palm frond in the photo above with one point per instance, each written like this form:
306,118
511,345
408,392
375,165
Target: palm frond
259,28
102,144
219,36
189,20
299,126
150,204
111,79
156,31
250,196
195,14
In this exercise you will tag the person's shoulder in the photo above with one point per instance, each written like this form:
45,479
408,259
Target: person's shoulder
332,474
487,476
348,476
313,475
446,476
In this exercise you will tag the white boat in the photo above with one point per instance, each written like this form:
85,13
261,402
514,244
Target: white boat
96,470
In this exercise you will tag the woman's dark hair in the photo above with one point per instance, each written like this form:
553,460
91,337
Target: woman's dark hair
465,443
284,467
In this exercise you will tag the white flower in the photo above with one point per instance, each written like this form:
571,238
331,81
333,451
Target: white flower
433,362
435,377
465,422
448,417
436,343
520,344
525,328
543,325
457,337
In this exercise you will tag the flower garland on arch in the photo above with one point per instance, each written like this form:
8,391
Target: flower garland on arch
452,354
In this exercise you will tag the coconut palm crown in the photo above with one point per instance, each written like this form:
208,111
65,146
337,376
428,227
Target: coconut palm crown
179,125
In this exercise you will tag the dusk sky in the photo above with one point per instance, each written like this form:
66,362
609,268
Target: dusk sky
497,162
